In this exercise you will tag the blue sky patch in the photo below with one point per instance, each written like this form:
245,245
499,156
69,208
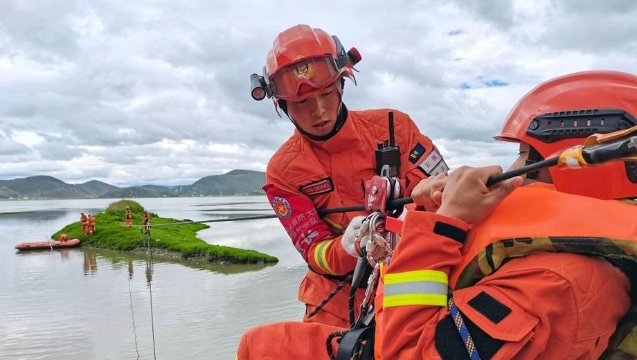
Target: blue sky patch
479,82
495,83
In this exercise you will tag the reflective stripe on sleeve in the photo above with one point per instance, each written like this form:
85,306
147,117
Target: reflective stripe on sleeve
421,287
320,258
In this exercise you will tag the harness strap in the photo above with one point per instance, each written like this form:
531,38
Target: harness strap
351,345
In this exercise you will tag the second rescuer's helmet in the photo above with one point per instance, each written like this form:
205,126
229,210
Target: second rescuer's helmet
303,60
562,112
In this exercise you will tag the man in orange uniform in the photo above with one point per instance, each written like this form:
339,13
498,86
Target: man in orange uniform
328,159
91,224
520,289
146,222
540,274
129,217
83,223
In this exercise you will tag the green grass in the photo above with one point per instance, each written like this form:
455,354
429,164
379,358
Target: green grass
173,241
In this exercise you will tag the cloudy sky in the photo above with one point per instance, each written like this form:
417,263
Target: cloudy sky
157,91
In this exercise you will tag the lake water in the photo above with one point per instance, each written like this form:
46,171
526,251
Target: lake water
83,304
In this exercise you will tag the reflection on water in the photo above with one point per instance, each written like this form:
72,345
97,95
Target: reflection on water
90,262
56,305
37,216
117,257
130,268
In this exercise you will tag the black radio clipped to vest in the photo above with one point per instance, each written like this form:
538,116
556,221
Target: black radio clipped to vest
388,153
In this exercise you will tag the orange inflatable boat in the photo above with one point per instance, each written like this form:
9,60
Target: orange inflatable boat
43,245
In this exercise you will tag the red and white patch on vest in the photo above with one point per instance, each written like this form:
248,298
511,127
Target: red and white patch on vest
318,187
434,164
299,217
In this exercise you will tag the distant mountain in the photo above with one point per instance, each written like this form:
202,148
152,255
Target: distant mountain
136,192
6,193
34,185
159,188
97,187
235,182
37,187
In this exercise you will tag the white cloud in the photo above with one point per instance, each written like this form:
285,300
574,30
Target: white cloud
28,138
158,91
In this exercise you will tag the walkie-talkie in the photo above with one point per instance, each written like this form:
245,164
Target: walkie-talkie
388,153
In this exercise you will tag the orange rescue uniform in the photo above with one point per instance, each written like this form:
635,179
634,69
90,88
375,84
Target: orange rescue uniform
305,175
83,223
91,224
519,297
146,222
542,306
129,217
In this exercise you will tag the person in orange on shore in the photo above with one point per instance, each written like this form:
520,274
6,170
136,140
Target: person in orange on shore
328,159
513,271
64,238
129,217
83,223
146,222
546,272
91,224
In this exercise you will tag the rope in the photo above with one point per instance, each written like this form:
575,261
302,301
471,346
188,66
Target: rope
462,328
264,216
149,273
130,297
330,296
255,217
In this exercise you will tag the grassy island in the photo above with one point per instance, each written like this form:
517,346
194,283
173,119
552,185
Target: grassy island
175,241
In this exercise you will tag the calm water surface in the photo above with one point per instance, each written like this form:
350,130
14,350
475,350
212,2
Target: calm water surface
82,304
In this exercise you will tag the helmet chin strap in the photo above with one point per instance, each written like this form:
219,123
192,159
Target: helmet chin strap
340,118
532,158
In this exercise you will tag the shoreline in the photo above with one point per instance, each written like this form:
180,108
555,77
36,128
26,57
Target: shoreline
176,255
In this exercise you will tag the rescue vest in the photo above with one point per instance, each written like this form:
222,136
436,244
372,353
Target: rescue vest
569,223
535,218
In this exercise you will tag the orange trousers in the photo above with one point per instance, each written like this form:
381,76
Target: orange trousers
286,340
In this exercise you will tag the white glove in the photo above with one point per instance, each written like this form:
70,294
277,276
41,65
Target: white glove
352,238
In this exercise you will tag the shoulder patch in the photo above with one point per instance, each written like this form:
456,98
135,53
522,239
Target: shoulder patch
441,168
281,207
318,187
416,153
433,164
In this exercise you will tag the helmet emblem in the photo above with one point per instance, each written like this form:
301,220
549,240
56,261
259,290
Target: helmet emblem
304,69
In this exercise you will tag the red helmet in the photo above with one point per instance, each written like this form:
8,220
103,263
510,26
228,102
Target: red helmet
562,112
303,60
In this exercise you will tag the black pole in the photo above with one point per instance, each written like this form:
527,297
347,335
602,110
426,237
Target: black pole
494,179
595,154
